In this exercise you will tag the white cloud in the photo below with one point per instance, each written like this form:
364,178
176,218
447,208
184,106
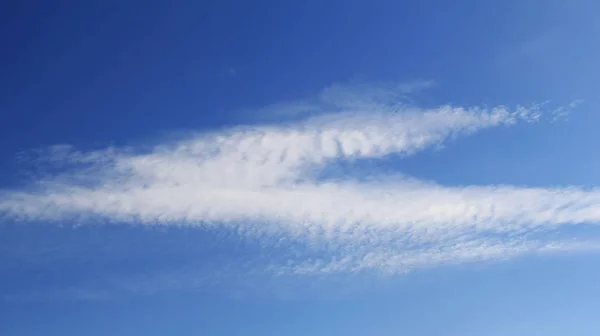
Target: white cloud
262,181
341,98
394,260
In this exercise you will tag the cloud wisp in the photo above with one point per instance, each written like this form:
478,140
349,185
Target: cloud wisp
263,182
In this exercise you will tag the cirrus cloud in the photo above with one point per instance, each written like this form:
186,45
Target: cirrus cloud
263,181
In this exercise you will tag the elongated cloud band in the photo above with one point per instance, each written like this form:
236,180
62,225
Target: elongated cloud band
265,181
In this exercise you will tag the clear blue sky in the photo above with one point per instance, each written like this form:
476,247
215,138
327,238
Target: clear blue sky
160,239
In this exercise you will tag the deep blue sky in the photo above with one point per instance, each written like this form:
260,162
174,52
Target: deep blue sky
97,73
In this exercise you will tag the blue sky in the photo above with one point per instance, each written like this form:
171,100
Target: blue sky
305,168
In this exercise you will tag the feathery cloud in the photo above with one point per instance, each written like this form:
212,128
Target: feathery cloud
264,182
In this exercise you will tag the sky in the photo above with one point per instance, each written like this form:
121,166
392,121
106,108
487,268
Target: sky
299,168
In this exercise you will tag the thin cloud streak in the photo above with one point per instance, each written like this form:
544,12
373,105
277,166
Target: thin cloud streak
263,181
394,261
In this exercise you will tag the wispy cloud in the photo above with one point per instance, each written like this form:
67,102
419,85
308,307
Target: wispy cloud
394,260
341,98
264,182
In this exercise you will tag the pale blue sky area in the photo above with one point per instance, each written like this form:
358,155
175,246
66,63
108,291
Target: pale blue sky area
96,74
